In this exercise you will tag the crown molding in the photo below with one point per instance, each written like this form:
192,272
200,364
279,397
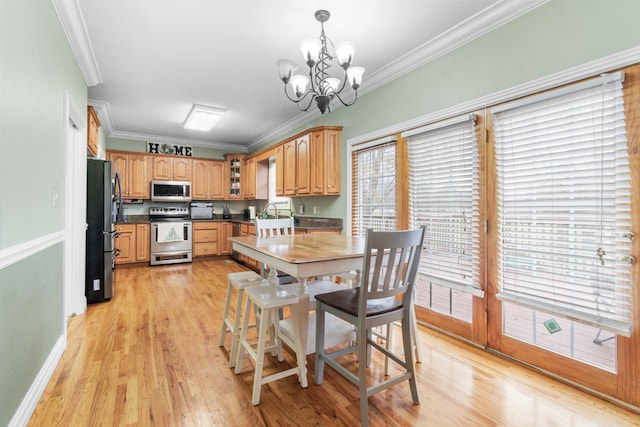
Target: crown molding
473,27
72,22
103,110
612,62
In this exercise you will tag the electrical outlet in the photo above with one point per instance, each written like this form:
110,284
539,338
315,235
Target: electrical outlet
316,210
301,209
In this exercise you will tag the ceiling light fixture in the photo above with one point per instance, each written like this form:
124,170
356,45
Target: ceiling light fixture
323,87
203,118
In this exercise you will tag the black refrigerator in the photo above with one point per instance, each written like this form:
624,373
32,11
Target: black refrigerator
101,216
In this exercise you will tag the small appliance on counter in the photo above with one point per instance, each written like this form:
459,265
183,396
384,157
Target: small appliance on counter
225,213
252,213
201,210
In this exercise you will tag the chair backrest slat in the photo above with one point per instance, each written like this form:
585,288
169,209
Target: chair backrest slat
274,227
390,265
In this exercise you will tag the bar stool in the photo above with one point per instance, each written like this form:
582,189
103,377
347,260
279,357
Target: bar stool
238,281
269,299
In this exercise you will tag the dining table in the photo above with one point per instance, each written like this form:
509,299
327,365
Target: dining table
305,256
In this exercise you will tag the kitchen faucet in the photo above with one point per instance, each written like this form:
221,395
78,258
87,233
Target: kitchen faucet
266,207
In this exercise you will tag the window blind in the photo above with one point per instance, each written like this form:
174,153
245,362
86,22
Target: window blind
564,203
444,196
373,186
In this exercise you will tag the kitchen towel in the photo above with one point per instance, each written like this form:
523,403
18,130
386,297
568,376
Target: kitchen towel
168,232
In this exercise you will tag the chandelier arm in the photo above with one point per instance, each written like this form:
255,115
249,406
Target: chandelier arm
297,100
344,82
346,104
299,104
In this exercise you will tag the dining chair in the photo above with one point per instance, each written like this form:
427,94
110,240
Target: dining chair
275,227
385,295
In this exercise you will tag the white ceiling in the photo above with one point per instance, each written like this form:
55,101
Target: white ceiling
148,61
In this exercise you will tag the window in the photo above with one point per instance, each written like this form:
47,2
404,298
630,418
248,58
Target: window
444,196
282,203
374,190
564,207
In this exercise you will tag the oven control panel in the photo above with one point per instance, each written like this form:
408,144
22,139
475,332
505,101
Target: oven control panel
168,212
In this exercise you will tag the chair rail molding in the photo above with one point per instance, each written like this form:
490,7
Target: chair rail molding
16,253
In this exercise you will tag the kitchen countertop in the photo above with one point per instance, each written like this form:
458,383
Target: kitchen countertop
302,223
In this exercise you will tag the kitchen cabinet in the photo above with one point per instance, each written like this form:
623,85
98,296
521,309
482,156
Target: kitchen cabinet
225,230
233,173
168,168
249,230
93,125
297,171
205,238
135,172
208,179
280,170
250,178
125,243
325,165
143,243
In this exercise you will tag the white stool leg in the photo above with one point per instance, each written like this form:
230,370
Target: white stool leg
225,315
257,376
244,346
236,329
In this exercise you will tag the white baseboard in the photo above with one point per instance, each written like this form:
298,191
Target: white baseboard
31,399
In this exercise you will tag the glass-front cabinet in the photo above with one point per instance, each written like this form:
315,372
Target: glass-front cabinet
233,185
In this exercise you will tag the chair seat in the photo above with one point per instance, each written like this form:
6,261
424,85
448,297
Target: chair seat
347,301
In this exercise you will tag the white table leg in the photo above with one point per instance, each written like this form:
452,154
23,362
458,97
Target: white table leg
302,285
272,277
299,325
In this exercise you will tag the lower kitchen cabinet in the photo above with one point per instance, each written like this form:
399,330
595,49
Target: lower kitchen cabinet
249,230
125,243
132,243
225,230
143,242
205,238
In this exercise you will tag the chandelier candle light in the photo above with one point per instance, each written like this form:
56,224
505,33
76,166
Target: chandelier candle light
323,87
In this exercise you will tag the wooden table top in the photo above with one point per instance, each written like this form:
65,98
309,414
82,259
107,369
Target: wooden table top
305,248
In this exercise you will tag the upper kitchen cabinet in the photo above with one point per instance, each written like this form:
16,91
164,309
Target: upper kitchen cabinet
233,176
135,173
169,168
326,161
208,179
279,170
297,173
249,176
93,124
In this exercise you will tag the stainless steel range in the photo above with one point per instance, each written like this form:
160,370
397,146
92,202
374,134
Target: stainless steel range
171,235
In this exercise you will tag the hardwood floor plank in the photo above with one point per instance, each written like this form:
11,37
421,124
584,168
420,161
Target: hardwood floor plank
150,357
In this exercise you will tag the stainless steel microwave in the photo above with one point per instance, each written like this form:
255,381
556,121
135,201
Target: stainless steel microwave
170,191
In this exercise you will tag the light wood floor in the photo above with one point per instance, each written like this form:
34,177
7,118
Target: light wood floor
151,357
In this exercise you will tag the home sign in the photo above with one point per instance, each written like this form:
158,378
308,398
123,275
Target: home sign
162,148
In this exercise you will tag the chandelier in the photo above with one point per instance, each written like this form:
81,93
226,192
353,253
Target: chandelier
323,87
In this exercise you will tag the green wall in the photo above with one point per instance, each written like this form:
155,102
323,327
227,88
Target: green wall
36,67
554,37
30,323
